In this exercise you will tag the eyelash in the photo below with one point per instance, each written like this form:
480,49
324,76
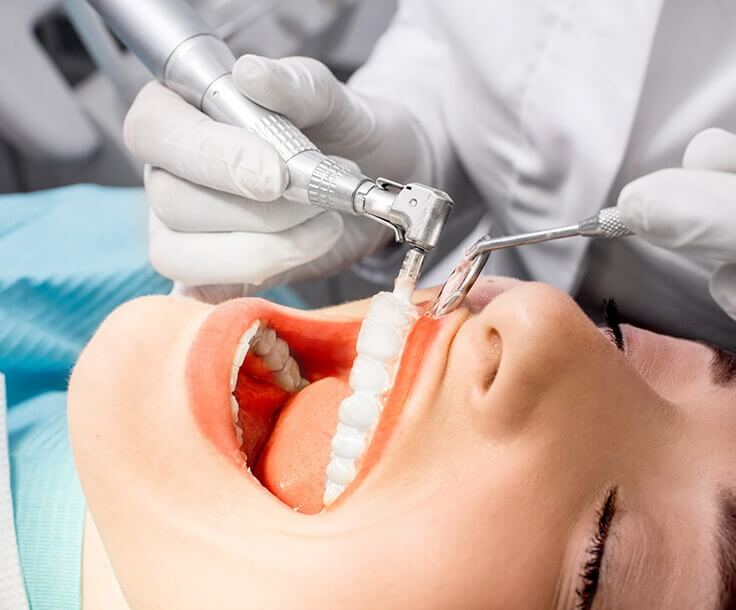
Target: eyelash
590,573
613,321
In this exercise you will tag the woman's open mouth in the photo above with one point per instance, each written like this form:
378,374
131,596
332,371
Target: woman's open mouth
268,384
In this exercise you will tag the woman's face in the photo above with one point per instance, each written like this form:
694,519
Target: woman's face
522,461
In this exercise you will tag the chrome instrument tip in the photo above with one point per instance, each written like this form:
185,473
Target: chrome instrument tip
458,285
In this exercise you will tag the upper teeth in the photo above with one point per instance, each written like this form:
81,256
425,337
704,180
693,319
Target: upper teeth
275,353
276,358
234,408
289,376
265,342
369,375
379,345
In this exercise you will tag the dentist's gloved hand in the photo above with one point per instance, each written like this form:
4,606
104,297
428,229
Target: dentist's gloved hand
219,220
693,209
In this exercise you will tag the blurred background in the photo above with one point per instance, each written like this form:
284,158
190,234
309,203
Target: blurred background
66,84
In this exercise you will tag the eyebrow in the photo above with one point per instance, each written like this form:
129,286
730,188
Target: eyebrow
723,366
726,535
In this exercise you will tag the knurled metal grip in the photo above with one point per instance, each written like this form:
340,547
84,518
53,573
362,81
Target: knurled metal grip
607,223
224,102
283,136
323,183
611,224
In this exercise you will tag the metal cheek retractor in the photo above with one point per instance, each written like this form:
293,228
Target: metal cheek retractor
606,223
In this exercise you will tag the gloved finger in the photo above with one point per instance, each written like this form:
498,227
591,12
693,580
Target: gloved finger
360,238
713,149
184,206
723,288
239,258
214,294
689,211
304,90
349,163
163,130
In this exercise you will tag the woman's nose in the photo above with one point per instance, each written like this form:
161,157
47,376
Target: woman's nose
551,354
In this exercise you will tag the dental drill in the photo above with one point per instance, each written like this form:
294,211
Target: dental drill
187,57
606,223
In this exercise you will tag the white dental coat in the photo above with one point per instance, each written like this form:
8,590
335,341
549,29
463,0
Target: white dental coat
551,107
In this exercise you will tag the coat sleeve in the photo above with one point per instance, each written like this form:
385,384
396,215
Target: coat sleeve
403,69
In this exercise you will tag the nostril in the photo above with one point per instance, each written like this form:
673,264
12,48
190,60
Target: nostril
541,332
491,360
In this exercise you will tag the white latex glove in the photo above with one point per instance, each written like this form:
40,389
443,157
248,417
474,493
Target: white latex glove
692,210
216,190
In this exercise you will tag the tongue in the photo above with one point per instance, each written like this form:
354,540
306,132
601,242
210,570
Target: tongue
292,464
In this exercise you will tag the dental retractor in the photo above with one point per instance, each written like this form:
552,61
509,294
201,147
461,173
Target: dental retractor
187,57
606,223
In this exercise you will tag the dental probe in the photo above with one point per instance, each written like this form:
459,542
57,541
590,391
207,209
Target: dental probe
604,224
187,57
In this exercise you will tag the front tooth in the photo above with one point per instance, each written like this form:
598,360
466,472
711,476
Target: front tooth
332,492
289,376
266,342
234,409
369,375
341,471
378,341
359,410
276,358
249,336
348,442
391,310
234,377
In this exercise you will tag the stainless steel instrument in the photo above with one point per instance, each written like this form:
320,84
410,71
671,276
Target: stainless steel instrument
187,57
604,224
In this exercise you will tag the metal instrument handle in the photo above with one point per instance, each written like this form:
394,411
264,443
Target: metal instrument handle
186,56
487,244
607,223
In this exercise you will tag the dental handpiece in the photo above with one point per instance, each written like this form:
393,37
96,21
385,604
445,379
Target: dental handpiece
606,223
186,56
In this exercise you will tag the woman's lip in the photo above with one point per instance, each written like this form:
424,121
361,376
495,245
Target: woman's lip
208,370
432,344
